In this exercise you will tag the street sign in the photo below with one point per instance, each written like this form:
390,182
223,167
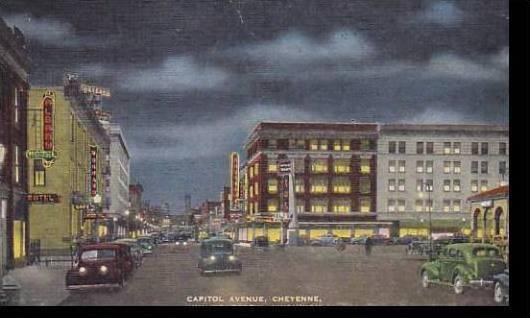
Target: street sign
285,166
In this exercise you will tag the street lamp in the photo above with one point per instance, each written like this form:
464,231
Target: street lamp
97,201
428,189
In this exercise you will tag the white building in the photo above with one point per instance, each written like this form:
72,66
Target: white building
457,161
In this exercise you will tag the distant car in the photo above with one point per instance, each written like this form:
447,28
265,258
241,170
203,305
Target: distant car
361,240
135,252
100,265
217,255
406,240
182,241
147,244
260,242
502,287
464,265
378,239
324,241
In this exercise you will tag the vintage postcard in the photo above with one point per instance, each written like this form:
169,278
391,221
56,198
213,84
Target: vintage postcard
262,153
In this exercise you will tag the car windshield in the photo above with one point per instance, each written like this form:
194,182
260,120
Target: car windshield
95,255
485,252
217,247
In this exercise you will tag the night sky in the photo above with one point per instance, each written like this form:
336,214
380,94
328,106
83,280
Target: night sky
191,78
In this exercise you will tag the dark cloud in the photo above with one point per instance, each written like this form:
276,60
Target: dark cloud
190,78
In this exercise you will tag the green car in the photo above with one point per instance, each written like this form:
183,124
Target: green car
463,265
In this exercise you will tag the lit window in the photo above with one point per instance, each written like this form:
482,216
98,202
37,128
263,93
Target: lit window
16,110
313,144
319,185
457,166
419,166
256,210
17,164
447,205
272,167
251,172
341,206
429,165
391,205
256,169
447,185
319,165
447,166
457,148
401,205
365,205
392,166
392,185
447,148
272,185
323,144
364,185
419,185
401,185
319,206
365,144
273,144
341,185
483,185
346,145
365,165
39,173
300,208
299,185
337,145
300,143
341,166
272,205
256,188
401,164
456,206
419,205
474,185
251,191
456,185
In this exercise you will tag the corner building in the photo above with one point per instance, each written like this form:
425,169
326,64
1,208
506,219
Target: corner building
335,179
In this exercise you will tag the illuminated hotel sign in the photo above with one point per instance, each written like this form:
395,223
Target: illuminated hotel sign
234,180
91,89
43,198
47,133
93,170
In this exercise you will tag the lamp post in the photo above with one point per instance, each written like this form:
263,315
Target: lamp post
97,201
428,189
127,227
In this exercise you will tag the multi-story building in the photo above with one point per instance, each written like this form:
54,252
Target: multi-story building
335,167
437,167
68,168
136,209
14,87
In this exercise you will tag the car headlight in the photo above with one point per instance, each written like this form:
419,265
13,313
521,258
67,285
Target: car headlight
178,243
185,243
103,269
212,258
231,258
82,271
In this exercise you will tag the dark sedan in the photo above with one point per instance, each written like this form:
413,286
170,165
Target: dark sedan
217,256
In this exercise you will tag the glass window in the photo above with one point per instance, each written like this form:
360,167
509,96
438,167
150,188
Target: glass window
365,144
483,185
457,146
319,185
402,164
456,185
256,188
364,185
17,164
364,203
447,166
251,191
39,173
392,166
300,143
419,185
272,185
341,205
474,185
272,167
502,167
429,165
474,166
457,166
419,166
391,147
272,205
456,206
94,255
401,205
419,147
346,145
474,148
251,172
16,110
300,207
341,185
256,210
483,167
323,144
319,165
341,166
391,205
447,148
447,205
313,144
419,205
401,185
299,165
337,145
502,148
365,165
402,147
319,205
484,148
429,205
299,185
429,185
392,185
447,185
273,144
256,169
429,149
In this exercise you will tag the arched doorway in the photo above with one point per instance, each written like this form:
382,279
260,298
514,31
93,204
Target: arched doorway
474,225
498,214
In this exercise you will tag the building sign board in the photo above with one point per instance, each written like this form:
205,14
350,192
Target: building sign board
234,178
96,90
284,194
47,155
42,198
93,171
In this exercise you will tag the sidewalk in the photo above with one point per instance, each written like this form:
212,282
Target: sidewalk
40,285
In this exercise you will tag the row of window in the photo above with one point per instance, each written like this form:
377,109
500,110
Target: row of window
321,166
320,185
319,144
321,205
448,166
448,185
448,148
398,205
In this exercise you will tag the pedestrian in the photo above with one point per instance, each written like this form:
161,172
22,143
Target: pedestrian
368,246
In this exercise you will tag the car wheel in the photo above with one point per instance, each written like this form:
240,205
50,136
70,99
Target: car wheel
458,285
425,280
497,293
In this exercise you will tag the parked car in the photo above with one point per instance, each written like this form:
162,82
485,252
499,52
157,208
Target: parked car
406,240
324,241
147,244
464,265
260,242
136,248
361,240
378,239
100,265
217,255
502,287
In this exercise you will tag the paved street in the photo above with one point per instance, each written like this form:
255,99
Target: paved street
388,277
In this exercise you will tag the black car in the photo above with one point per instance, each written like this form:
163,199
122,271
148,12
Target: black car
501,287
217,256
260,242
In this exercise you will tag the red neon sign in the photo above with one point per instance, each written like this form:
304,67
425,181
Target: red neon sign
48,124
93,170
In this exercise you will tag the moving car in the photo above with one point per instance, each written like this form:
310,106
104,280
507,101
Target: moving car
217,255
502,287
260,242
464,265
147,244
379,239
100,265
135,252
361,240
